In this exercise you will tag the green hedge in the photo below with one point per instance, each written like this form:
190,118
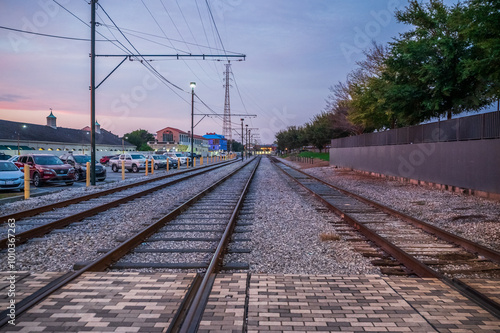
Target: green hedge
321,156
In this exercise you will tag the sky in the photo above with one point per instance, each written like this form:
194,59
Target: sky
295,50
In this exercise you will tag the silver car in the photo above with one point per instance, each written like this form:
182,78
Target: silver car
11,178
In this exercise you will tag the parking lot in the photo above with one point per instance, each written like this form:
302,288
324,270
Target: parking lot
7,196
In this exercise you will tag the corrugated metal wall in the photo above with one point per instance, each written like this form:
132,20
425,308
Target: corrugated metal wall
477,127
473,164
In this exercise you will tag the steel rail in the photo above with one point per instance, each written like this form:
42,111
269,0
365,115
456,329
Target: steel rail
195,311
406,259
443,234
25,236
115,254
38,210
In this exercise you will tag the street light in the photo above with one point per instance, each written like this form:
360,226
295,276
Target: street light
123,143
192,85
18,134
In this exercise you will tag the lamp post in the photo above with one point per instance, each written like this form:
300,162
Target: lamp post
242,141
18,134
123,143
192,85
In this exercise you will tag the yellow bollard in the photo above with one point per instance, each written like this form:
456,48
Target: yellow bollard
178,163
168,162
146,167
26,181
88,175
187,163
152,166
194,162
201,160
123,170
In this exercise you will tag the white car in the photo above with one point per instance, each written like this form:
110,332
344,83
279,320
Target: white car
11,178
179,156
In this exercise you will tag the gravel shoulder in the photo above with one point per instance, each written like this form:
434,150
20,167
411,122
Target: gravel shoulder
468,216
286,232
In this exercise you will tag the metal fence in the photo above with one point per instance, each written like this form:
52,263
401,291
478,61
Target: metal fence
477,127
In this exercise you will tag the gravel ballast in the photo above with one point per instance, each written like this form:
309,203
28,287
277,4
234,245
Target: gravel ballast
285,235
471,217
286,232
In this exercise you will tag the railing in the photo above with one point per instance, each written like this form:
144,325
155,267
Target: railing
478,127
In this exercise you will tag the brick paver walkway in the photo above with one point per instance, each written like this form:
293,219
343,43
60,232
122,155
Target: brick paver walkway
147,302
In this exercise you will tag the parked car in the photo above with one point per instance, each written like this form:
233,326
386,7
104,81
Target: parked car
133,162
4,157
183,159
162,160
11,178
173,163
46,168
105,159
79,162
14,158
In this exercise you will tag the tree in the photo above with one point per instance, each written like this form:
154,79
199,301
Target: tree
139,138
291,138
235,145
427,65
479,22
145,147
320,131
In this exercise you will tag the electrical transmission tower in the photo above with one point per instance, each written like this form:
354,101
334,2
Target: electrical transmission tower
226,126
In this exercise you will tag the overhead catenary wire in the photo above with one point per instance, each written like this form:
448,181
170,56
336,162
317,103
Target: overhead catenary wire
206,37
144,62
215,26
49,35
177,29
128,52
137,34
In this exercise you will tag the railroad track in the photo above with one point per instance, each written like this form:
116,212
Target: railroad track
39,221
231,191
420,248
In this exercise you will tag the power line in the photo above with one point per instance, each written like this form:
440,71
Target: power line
144,62
215,25
137,34
88,25
48,35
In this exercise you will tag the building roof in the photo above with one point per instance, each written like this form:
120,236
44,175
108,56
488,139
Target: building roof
172,129
32,132
214,136
181,132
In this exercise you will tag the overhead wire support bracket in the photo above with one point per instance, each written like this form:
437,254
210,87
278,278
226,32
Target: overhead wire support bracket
178,56
221,114
199,121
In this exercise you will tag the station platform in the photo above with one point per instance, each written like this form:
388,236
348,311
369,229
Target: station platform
147,302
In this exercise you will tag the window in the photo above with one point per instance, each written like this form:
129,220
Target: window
168,137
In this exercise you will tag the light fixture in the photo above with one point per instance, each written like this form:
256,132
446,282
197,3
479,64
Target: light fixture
192,85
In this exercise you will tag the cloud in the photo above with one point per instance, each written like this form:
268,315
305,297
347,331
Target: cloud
11,98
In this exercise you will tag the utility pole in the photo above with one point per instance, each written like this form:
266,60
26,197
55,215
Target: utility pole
242,141
92,92
249,140
192,85
246,139
226,126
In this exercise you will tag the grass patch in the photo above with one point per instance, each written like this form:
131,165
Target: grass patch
311,154
328,236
